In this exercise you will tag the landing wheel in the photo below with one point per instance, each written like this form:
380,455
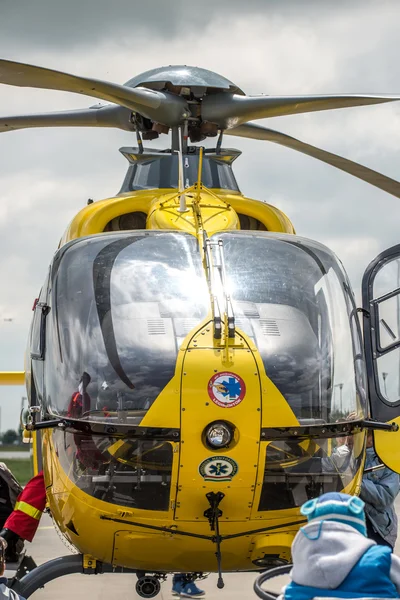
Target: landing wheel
148,586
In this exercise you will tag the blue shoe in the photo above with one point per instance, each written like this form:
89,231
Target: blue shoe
177,585
190,590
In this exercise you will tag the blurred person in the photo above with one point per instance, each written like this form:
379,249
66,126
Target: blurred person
23,522
5,592
379,490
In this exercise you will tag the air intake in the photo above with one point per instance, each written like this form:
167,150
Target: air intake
269,327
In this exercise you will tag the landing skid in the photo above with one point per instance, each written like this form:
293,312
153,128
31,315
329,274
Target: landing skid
37,578
16,571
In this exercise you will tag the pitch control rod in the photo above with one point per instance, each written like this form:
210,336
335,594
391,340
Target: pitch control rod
213,514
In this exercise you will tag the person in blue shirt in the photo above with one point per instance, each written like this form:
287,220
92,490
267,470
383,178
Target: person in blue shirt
333,557
378,490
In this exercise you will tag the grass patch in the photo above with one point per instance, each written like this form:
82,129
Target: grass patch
21,468
15,448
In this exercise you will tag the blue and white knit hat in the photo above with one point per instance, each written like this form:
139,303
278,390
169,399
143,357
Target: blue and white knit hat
336,507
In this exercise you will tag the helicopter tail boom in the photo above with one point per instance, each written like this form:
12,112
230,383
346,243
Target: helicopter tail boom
12,378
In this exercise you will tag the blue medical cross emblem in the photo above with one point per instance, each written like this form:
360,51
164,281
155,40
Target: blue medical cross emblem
233,388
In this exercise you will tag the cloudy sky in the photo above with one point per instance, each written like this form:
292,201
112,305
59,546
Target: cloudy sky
264,46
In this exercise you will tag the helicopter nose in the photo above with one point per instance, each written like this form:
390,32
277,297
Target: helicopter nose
220,427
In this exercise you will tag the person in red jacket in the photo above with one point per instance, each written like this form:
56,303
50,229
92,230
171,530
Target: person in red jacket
24,520
30,504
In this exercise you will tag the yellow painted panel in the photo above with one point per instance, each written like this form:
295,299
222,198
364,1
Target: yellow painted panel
387,446
273,218
141,548
94,217
165,410
216,214
201,364
276,411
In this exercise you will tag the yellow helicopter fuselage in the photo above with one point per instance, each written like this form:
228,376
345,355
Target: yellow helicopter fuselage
123,535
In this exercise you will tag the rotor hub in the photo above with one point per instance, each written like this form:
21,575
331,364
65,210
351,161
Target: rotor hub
184,80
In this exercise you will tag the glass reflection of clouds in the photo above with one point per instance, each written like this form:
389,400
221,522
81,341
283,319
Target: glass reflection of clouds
123,305
389,375
387,279
386,282
343,380
291,296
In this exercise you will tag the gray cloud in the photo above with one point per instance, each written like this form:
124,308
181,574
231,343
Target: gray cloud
45,24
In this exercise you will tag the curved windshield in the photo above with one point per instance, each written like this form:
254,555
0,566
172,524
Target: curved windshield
121,305
292,298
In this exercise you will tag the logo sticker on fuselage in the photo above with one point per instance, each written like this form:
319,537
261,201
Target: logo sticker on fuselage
226,389
218,468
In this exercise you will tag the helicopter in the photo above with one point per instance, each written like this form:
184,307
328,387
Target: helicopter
193,364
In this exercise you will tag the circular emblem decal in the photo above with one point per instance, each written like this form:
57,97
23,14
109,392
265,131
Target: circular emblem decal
226,389
218,468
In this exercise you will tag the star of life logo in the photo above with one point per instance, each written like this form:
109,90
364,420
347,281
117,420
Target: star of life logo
226,389
218,468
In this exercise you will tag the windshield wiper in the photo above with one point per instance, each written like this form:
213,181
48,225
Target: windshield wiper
215,261
118,430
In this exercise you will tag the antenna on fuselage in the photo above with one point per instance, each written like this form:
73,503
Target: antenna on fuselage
182,198
219,142
139,141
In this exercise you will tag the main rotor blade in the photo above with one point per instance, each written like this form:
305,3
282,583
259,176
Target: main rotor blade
249,130
162,107
97,116
230,110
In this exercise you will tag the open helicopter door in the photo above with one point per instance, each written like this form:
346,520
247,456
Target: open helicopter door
381,310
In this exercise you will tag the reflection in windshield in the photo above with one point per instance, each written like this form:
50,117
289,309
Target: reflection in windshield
292,298
297,471
386,283
123,306
126,472
388,367
387,278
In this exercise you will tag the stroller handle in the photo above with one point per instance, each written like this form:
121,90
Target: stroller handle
275,572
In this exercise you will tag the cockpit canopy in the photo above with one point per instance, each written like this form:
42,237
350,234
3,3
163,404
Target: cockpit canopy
122,304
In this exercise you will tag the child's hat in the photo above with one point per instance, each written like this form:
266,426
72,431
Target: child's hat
335,506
